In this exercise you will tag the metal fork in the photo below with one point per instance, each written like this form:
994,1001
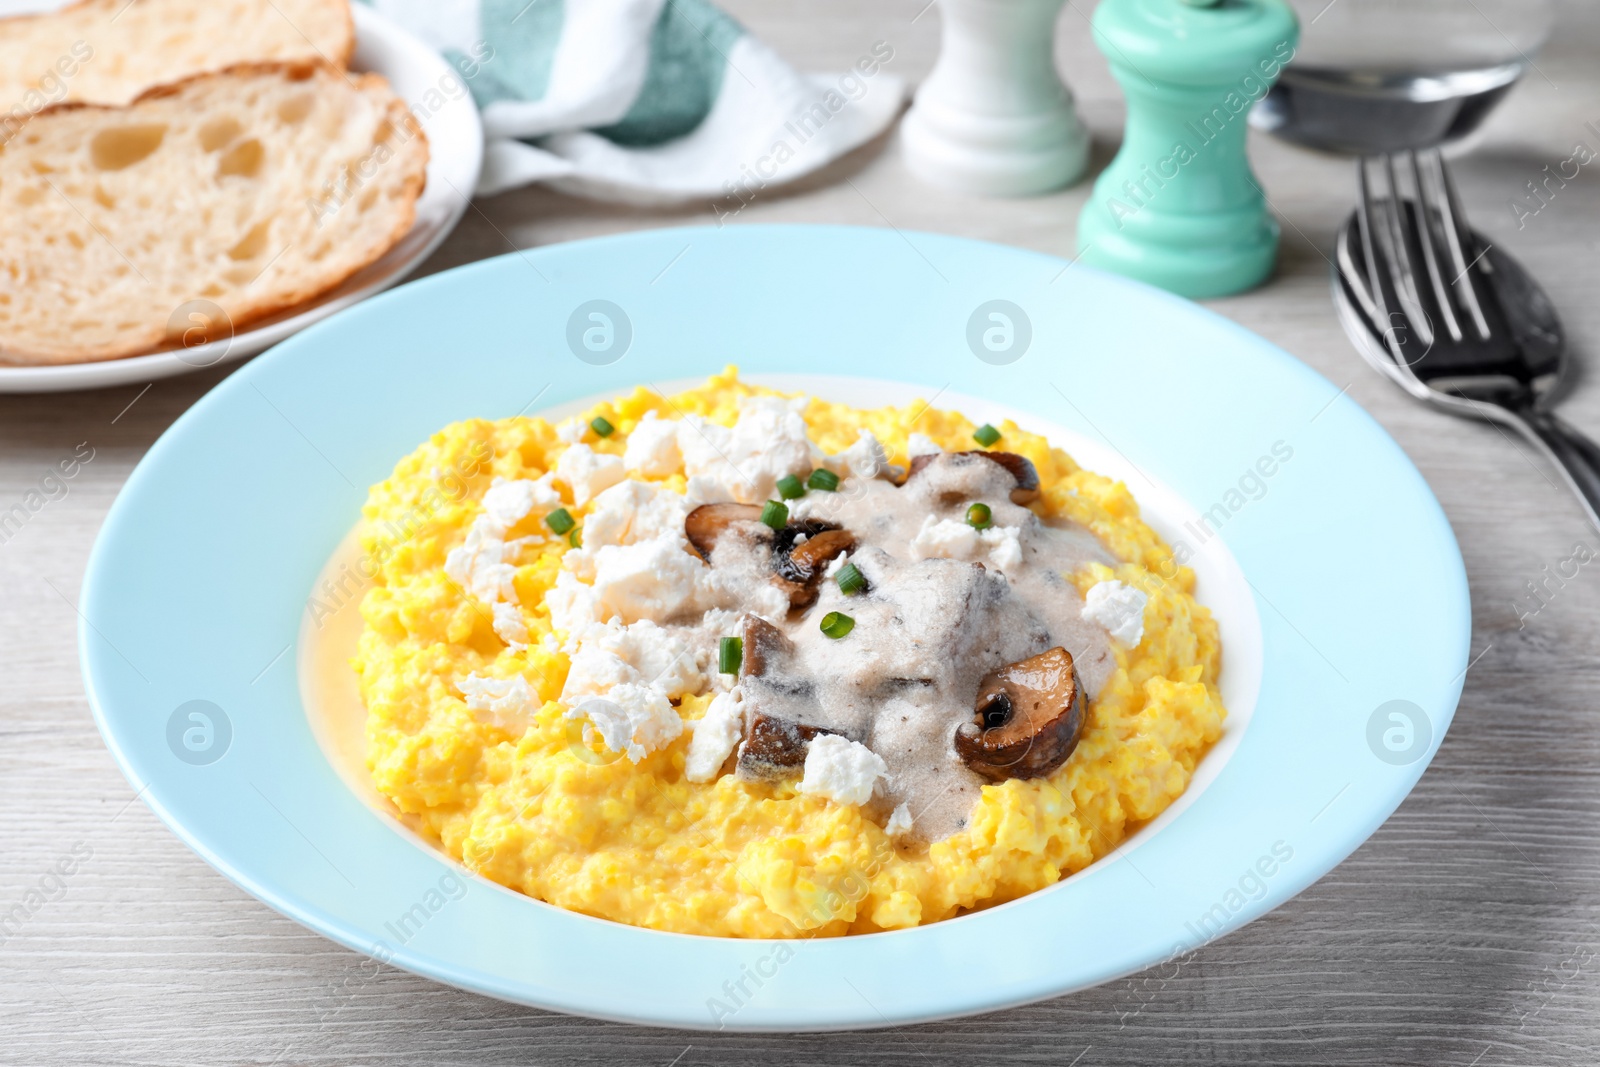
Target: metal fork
1452,320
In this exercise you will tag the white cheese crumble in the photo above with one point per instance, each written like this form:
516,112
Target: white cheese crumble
642,654
509,502
943,538
744,463
507,702
572,604
482,562
633,511
509,624
842,770
864,459
918,444
478,564
572,431
652,448
1005,547
634,564
704,446
632,719
899,821
1118,607
715,735
1000,546
587,472
653,579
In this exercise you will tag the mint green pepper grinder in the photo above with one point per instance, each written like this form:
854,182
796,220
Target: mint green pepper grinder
1179,207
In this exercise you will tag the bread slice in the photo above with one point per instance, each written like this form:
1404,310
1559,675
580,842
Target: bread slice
248,191
110,51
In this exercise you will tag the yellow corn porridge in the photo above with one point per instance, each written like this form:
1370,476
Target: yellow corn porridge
597,807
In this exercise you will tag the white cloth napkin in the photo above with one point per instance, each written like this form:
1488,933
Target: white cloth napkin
646,101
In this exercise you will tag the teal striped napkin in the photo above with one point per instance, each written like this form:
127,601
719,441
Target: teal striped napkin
646,101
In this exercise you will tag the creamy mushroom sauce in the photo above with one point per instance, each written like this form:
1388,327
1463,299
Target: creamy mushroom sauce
926,630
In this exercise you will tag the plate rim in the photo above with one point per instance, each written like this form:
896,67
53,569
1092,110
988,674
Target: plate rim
1294,882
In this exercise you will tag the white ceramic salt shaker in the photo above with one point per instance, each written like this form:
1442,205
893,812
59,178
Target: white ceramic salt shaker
994,117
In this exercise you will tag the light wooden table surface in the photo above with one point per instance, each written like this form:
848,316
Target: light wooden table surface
1466,931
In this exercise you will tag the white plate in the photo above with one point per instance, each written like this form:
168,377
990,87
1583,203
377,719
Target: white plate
441,103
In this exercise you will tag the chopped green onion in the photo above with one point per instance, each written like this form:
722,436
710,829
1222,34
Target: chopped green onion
560,520
575,538
775,514
822,479
600,426
730,654
986,435
850,579
790,487
836,624
979,517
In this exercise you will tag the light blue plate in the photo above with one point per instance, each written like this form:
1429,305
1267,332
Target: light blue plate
198,585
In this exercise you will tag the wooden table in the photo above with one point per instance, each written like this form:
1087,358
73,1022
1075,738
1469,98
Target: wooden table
1466,931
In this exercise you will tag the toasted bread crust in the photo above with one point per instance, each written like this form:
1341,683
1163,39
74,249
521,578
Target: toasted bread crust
337,47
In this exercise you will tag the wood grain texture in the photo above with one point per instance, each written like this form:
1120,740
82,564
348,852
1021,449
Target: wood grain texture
1466,931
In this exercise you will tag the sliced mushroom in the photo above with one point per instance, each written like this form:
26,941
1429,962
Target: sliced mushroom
800,551
1020,467
920,463
766,649
775,748
807,559
776,699
799,567
706,523
1028,717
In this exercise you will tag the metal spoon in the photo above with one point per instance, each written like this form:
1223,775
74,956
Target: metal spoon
1452,320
